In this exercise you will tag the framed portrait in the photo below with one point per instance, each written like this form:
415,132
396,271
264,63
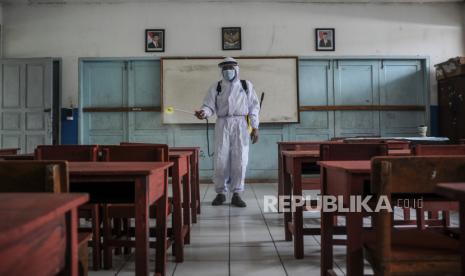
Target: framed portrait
154,40
231,38
325,39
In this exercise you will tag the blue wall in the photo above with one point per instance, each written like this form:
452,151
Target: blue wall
115,83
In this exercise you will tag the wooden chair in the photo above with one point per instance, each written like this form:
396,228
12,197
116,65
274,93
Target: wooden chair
195,179
411,251
195,174
349,151
41,177
115,212
78,153
433,208
310,183
421,150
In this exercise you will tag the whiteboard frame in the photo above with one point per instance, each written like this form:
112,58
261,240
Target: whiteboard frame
296,58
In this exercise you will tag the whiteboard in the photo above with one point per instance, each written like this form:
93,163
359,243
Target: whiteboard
185,82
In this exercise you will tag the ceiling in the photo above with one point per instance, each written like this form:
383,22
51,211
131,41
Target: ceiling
154,1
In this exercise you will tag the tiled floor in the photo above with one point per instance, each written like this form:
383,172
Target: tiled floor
241,241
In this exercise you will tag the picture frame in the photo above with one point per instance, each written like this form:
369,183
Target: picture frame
154,40
231,38
325,39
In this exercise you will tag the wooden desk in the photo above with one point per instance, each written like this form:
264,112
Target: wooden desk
292,185
26,156
400,152
287,146
344,178
140,183
181,216
195,183
456,191
38,233
10,151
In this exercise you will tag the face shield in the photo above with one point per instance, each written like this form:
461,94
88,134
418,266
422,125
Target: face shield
229,69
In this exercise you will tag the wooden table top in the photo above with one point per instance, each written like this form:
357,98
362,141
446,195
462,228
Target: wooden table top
301,153
22,156
399,152
316,153
9,149
452,190
184,148
24,212
300,142
116,168
177,154
348,166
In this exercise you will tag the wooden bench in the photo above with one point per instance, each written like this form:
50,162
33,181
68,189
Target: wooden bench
412,251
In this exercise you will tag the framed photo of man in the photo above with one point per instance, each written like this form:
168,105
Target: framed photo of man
231,38
325,39
154,40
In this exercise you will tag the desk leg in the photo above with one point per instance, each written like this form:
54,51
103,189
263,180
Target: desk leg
287,192
281,174
462,234
187,204
142,226
161,231
197,180
96,251
298,220
72,243
327,228
354,222
193,189
178,246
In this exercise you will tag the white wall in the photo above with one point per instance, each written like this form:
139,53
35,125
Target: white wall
193,29
1,23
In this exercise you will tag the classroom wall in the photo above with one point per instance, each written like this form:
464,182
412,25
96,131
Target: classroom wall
71,31
2,29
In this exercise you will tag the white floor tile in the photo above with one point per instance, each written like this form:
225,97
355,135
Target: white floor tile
189,268
257,268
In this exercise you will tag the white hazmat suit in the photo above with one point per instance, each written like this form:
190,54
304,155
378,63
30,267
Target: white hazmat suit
231,107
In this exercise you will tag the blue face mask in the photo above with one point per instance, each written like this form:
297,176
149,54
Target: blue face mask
229,74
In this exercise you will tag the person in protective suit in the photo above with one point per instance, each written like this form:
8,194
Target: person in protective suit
233,101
